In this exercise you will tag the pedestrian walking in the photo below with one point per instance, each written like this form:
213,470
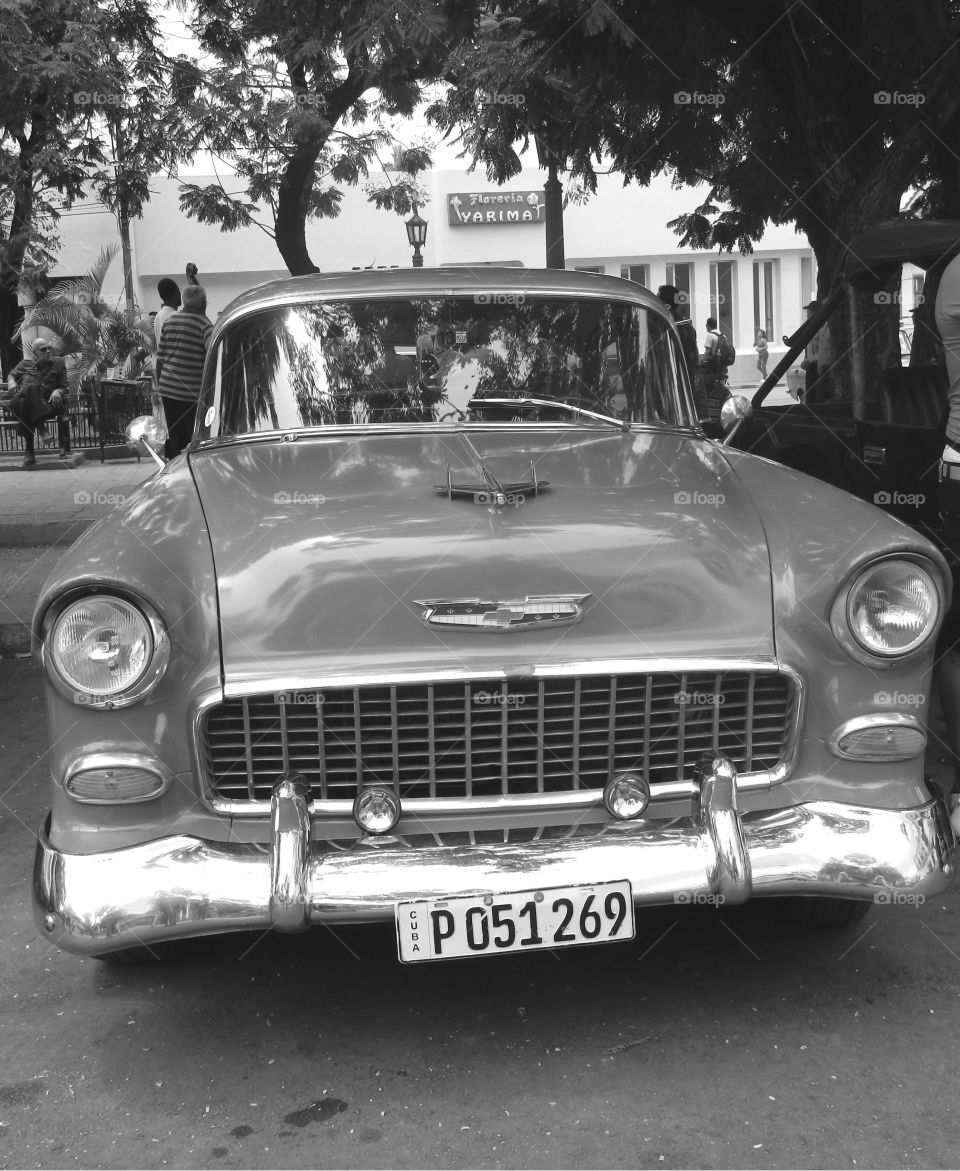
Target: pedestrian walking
763,353
38,387
184,341
713,372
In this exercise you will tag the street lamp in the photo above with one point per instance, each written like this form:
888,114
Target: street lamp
416,227
552,158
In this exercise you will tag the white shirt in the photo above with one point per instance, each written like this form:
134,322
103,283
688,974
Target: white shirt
159,320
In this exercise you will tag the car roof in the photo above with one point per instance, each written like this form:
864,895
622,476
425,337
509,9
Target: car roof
447,281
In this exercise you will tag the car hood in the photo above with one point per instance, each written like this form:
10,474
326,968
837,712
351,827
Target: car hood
324,546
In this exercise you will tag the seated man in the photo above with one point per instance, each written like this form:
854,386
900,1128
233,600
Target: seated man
39,388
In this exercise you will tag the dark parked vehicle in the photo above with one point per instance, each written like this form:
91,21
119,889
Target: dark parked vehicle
886,451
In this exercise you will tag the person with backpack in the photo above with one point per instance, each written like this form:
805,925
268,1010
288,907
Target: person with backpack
718,356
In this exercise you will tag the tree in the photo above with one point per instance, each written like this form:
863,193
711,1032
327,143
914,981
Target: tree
293,91
60,66
819,114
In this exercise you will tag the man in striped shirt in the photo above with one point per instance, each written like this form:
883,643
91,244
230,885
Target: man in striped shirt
180,356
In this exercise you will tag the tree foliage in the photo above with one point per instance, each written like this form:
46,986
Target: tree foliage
291,99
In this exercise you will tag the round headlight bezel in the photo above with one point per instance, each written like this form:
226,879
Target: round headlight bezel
843,628
148,679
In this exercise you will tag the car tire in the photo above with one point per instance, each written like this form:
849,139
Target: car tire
821,912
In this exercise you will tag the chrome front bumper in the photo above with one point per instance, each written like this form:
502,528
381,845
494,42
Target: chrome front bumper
182,886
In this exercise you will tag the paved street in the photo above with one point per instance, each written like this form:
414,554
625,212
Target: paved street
714,1040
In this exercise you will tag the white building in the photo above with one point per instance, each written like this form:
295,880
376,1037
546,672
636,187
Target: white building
621,231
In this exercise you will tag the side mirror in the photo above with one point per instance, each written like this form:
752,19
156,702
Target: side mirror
144,431
732,414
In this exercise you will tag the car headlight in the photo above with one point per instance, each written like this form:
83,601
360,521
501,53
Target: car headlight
104,651
888,610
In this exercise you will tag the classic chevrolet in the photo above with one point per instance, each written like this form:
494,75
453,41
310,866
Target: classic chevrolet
451,615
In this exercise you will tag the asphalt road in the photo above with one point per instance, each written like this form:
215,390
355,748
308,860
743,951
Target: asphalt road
716,1039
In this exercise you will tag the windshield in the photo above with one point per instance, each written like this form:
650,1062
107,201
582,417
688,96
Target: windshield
424,360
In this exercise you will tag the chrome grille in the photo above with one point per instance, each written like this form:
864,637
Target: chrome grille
483,738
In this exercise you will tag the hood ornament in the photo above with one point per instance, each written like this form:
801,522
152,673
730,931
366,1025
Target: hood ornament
491,491
534,612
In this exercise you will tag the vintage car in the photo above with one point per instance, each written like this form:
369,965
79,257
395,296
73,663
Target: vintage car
452,616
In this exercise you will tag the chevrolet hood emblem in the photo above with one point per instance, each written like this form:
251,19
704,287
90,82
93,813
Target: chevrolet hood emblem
504,617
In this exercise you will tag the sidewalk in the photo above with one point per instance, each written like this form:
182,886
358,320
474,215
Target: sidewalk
42,511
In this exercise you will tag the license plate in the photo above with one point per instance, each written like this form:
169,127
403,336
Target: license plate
529,920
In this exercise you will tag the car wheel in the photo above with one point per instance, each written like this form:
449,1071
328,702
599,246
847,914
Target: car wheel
821,912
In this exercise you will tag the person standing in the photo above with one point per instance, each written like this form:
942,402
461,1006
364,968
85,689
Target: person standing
763,353
184,340
811,356
671,297
713,372
39,387
947,316
169,292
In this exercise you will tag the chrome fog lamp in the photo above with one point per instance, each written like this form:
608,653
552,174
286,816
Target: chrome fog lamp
626,796
879,739
376,809
114,785
889,610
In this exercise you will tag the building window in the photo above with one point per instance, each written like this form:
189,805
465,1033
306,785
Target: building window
765,287
681,277
721,293
806,281
588,268
638,273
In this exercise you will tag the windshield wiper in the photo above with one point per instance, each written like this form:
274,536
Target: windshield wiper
620,424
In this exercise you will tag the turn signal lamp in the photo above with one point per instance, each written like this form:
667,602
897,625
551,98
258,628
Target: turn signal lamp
376,809
626,796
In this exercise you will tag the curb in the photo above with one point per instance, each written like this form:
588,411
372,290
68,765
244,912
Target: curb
14,638
51,532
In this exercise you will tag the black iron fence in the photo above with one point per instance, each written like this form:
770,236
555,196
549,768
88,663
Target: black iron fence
97,421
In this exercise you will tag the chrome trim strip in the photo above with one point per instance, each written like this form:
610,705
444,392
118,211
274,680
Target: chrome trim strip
877,720
580,799
184,886
101,760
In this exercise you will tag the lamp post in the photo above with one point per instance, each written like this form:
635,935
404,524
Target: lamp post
416,227
552,159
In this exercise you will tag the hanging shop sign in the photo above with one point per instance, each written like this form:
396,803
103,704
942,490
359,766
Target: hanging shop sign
477,208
